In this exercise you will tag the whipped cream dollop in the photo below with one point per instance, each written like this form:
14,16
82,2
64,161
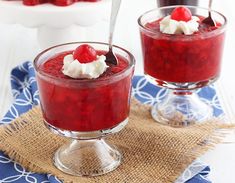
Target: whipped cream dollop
170,26
75,69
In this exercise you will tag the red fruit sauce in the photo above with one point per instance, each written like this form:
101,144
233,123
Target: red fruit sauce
182,58
88,105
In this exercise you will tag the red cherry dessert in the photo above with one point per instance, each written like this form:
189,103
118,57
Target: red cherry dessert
84,104
55,2
181,58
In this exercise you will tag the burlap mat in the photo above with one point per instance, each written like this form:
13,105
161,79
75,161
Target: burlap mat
151,152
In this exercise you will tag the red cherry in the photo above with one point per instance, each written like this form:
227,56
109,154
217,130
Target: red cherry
90,0
85,53
181,14
62,2
31,2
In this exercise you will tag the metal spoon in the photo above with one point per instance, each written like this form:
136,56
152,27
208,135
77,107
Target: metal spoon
209,20
110,57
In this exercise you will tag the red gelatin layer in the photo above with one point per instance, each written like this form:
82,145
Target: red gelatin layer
182,58
84,106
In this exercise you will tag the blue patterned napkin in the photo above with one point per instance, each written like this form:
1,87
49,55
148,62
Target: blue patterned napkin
25,92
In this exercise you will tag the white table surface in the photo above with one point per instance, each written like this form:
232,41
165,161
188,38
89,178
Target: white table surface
18,44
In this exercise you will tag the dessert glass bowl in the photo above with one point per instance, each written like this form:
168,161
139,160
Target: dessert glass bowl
85,110
182,64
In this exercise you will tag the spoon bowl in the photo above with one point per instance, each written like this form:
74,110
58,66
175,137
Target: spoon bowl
209,20
110,56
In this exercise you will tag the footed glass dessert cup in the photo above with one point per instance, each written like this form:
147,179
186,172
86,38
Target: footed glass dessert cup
85,110
182,64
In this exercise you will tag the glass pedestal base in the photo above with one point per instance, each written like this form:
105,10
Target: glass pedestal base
87,157
87,154
181,108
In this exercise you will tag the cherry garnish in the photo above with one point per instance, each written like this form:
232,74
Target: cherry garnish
181,14
85,53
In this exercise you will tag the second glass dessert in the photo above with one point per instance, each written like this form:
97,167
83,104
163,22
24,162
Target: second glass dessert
181,54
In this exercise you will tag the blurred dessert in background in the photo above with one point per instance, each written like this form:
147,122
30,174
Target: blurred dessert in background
161,3
55,2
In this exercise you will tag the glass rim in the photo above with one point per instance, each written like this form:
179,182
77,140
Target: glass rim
221,28
84,80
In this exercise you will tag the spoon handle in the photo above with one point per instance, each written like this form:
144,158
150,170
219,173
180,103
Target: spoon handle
114,11
210,4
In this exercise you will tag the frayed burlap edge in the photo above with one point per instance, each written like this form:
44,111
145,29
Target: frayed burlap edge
7,130
217,134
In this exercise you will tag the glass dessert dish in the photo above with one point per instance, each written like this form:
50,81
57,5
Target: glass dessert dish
85,110
182,64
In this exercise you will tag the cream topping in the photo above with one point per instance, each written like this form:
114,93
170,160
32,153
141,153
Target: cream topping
75,69
170,26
